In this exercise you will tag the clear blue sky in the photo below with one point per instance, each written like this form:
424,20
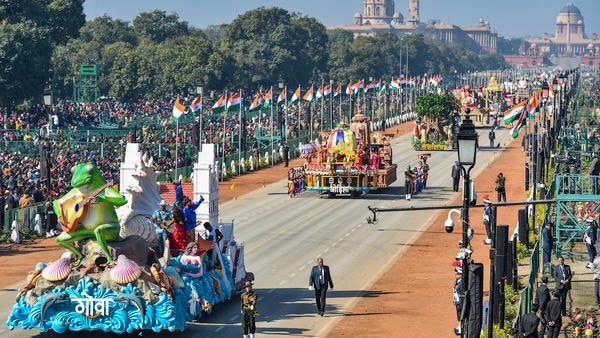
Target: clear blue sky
511,18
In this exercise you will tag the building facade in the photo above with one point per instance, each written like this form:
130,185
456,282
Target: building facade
569,40
380,16
569,37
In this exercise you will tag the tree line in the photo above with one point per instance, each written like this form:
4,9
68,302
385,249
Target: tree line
44,42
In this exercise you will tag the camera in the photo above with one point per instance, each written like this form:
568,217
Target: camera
449,225
463,254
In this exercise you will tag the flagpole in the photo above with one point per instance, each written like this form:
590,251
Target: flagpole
240,136
200,137
340,107
176,145
224,137
285,104
272,100
322,108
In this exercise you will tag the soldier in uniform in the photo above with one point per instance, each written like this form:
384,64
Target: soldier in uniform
248,304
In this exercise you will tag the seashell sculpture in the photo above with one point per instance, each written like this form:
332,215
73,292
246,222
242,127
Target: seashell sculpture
126,271
57,270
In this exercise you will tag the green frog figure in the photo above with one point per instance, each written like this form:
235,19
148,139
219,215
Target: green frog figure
88,211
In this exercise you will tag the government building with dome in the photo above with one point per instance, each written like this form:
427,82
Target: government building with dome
569,41
380,16
569,37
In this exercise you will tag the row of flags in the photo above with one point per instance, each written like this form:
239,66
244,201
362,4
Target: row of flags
225,103
519,113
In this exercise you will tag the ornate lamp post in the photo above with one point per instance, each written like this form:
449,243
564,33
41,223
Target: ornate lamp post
45,162
48,96
468,141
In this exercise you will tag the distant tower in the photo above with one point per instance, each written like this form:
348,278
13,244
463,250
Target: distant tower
413,12
378,12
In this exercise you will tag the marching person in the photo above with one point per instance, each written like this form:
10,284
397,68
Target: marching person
249,313
319,281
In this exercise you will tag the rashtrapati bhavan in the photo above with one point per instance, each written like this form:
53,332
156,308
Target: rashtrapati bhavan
380,16
569,41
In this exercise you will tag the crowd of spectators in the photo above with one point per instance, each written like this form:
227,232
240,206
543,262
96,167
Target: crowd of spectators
63,128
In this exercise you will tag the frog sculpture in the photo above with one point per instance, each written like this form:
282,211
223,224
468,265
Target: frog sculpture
88,211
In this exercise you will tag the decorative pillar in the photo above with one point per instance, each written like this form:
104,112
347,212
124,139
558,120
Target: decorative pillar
206,184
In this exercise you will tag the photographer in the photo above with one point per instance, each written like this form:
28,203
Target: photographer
501,187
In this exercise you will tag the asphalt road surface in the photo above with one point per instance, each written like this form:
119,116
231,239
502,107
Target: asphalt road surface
283,236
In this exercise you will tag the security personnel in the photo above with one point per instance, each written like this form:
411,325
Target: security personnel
248,304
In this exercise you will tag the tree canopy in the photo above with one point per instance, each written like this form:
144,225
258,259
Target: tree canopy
46,41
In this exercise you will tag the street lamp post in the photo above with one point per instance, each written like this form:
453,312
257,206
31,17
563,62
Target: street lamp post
468,140
199,90
45,161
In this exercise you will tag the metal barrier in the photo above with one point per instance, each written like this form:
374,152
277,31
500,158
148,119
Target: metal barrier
527,294
25,216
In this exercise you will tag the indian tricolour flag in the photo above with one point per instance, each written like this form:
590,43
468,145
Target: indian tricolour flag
219,106
319,93
268,98
327,90
338,91
296,95
234,101
533,103
513,113
256,103
196,104
282,96
309,94
395,83
520,122
178,110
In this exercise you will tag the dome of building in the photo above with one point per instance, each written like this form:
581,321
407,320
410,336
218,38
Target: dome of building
569,15
570,9
398,17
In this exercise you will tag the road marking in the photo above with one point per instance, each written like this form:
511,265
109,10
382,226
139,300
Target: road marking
292,275
282,282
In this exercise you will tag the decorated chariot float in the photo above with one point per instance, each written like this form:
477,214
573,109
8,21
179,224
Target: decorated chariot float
110,278
350,160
